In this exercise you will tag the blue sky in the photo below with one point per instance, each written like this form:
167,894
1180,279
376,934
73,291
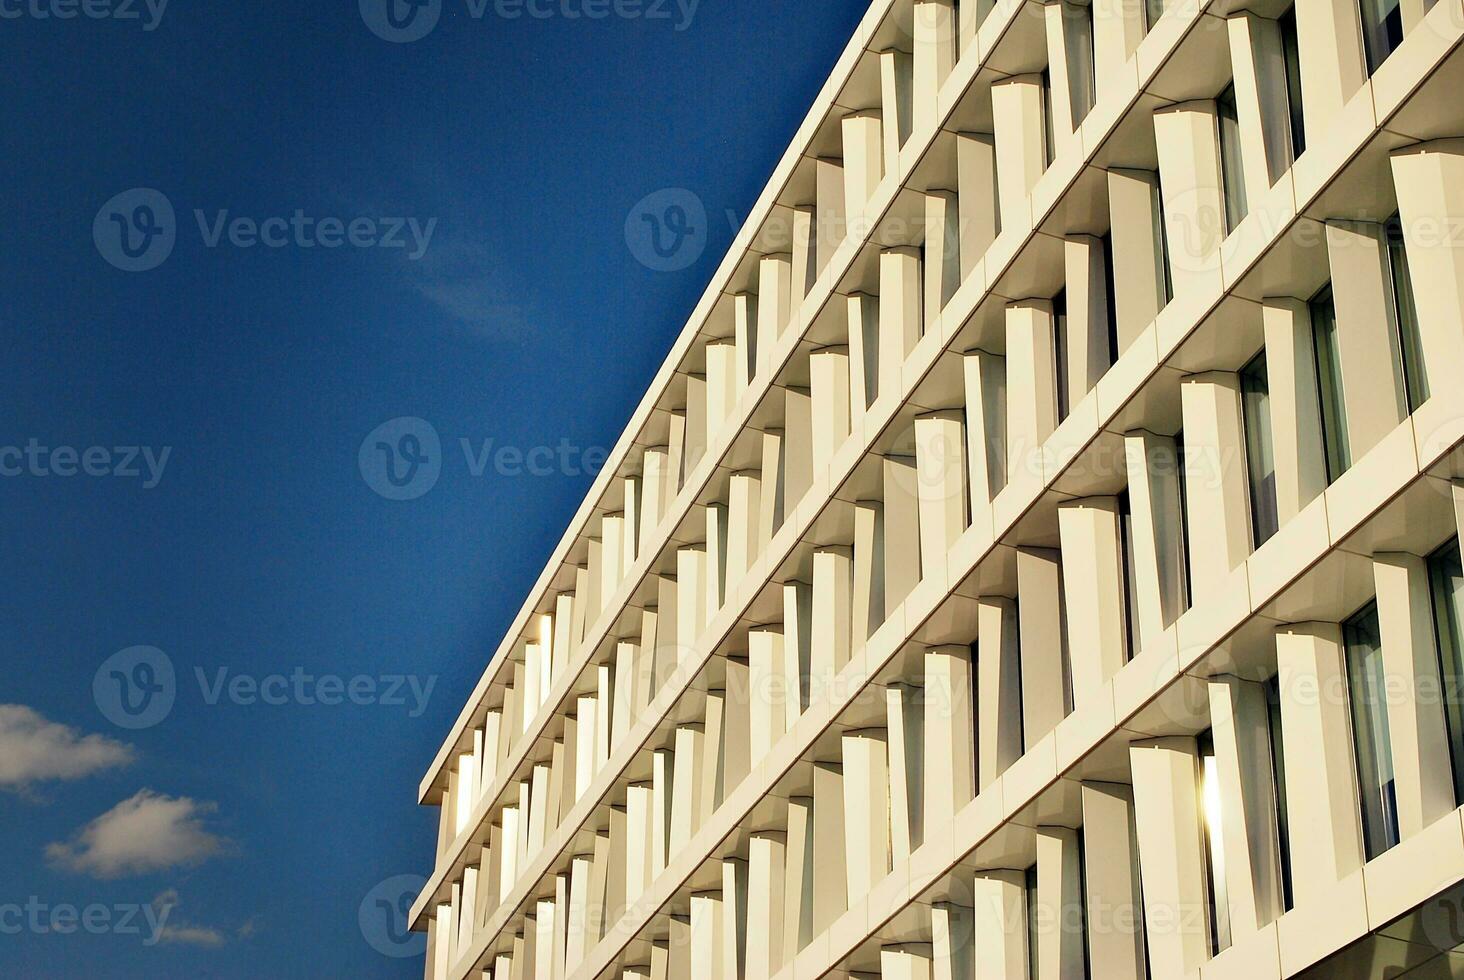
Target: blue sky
179,464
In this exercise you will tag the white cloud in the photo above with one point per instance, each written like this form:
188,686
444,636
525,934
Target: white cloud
33,749
191,935
175,932
463,279
148,832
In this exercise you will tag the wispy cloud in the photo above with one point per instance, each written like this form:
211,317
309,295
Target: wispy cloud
462,279
145,833
179,933
192,935
459,272
33,749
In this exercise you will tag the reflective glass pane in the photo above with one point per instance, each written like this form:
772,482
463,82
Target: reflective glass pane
1382,30
1291,54
1278,774
1259,454
1082,85
1366,688
1446,577
1215,845
1329,385
1415,380
1231,168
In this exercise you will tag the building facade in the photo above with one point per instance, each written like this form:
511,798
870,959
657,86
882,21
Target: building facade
1039,555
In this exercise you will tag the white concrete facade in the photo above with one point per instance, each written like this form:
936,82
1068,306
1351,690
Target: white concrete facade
1039,556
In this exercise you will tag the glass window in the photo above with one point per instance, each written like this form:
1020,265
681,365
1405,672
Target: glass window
1370,741
1329,384
1255,393
1446,577
1161,236
1110,294
1214,844
1278,776
1232,172
1082,82
1060,352
1020,724
1153,10
1382,30
1291,54
1410,349
1032,922
1186,595
1048,139
1126,543
1082,924
1065,647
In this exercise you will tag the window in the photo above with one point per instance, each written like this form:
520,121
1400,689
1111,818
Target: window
1060,352
1161,237
1382,30
1082,81
1153,10
1405,313
1291,56
1066,650
1048,138
1255,395
1110,294
1278,776
1082,901
1186,596
1232,170
1446,578
1370,740
1329,384
1126,546
1213,821
993,405
1032,924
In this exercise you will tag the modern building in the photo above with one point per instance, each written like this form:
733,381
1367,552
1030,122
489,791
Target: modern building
1038,556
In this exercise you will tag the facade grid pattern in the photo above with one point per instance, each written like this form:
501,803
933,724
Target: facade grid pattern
1039,556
